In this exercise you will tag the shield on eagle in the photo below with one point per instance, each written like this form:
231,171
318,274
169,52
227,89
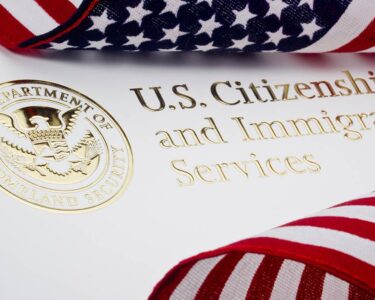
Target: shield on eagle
52,137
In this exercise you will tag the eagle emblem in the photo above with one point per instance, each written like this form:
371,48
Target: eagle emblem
43,140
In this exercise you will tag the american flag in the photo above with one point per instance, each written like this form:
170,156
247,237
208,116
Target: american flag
329,255
190,25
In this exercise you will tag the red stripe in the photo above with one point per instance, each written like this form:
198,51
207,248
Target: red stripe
215,281
337,263
364,41
165,289
334,262
357,227
12,32
264,278
60,10
71,27
356,293
311,284
364,201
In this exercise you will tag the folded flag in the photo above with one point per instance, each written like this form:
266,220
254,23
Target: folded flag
190,25
329,255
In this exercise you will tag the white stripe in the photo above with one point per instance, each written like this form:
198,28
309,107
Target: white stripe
239,281
359,212
347,243
335,288
193,280
31,15
355,19
370,50
287,281
373,193
76,3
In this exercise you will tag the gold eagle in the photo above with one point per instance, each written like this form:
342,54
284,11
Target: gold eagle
52,139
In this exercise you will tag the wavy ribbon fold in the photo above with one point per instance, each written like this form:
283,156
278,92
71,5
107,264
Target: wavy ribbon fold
190,25
329,255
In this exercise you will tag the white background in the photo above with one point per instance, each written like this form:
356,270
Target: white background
121,251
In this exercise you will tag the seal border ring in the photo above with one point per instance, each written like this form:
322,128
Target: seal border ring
129,174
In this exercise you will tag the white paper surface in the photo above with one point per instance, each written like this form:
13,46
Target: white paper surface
121,251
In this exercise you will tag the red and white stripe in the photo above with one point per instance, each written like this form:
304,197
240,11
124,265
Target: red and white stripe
330,255
335,288
262,277
239,281
354,31
370,50
21,20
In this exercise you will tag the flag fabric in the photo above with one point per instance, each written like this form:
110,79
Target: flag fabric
190,25
329,255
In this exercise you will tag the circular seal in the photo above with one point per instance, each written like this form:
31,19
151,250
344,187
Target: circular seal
59,149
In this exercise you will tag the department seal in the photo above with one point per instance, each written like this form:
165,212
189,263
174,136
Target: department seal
59,149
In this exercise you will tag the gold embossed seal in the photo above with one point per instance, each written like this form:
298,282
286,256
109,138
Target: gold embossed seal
59,149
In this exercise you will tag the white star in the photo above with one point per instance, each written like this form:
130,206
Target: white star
102,22
136,40
173,34
61,46
309,29
174,49
172,6
269,50
243,16
276,37
204,48
137,13
240,44
98,44
208,26
208,1
276,7
308,2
